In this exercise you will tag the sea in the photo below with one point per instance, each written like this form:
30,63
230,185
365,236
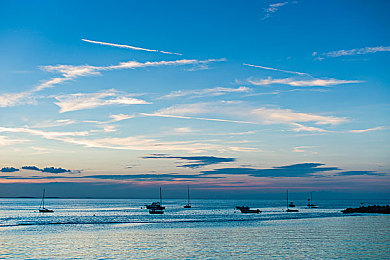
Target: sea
211,229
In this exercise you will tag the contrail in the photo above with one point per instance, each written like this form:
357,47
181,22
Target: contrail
268,68
197,118
129,47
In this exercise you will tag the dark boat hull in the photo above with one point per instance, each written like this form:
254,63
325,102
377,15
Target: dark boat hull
250,211
246,209
291,210
46,211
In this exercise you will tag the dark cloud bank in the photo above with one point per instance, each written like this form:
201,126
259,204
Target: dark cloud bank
34,168
197,161
294,170
9,169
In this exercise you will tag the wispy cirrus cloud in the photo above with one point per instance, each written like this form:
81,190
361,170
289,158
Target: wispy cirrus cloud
158,114
262,115
302,128
273,8
196,161
72,72
139,143
128,47
302,83
142,143
218,91
54,123
277,116
120,117
6,141
45,134
280,70
369,129
361,51
300,149
80,101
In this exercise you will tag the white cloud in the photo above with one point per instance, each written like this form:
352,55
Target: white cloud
369,129
47,135
196,118
71,72
10,99
120,117
82,101
302,83
361,51
140,143
287,116
300,149
128,47
55,123
6,141
218,91
148,144
303,128
273,8
183,130
268,68
238,113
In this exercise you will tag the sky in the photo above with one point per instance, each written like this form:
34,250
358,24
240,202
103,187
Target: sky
238,99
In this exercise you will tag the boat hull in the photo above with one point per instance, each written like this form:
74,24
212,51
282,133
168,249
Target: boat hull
250,211
46,211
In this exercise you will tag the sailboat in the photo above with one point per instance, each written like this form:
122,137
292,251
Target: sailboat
156,207
42,206
288,205
188,206
310,202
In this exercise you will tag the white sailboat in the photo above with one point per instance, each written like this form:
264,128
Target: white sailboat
288,206
42,206
310,202
188,198
156,207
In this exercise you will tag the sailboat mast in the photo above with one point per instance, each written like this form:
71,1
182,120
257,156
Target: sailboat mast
287,199
188,194
160,197
43,199
311,198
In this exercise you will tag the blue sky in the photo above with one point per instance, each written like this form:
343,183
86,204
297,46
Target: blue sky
227,96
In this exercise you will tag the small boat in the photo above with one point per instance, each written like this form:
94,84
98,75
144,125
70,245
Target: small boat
156,207
246,209
291,204
42,206
288,205
188,206
310,202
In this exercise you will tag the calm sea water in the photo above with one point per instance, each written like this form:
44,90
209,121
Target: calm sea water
212,229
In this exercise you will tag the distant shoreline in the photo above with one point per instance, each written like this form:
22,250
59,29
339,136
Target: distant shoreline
151,198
